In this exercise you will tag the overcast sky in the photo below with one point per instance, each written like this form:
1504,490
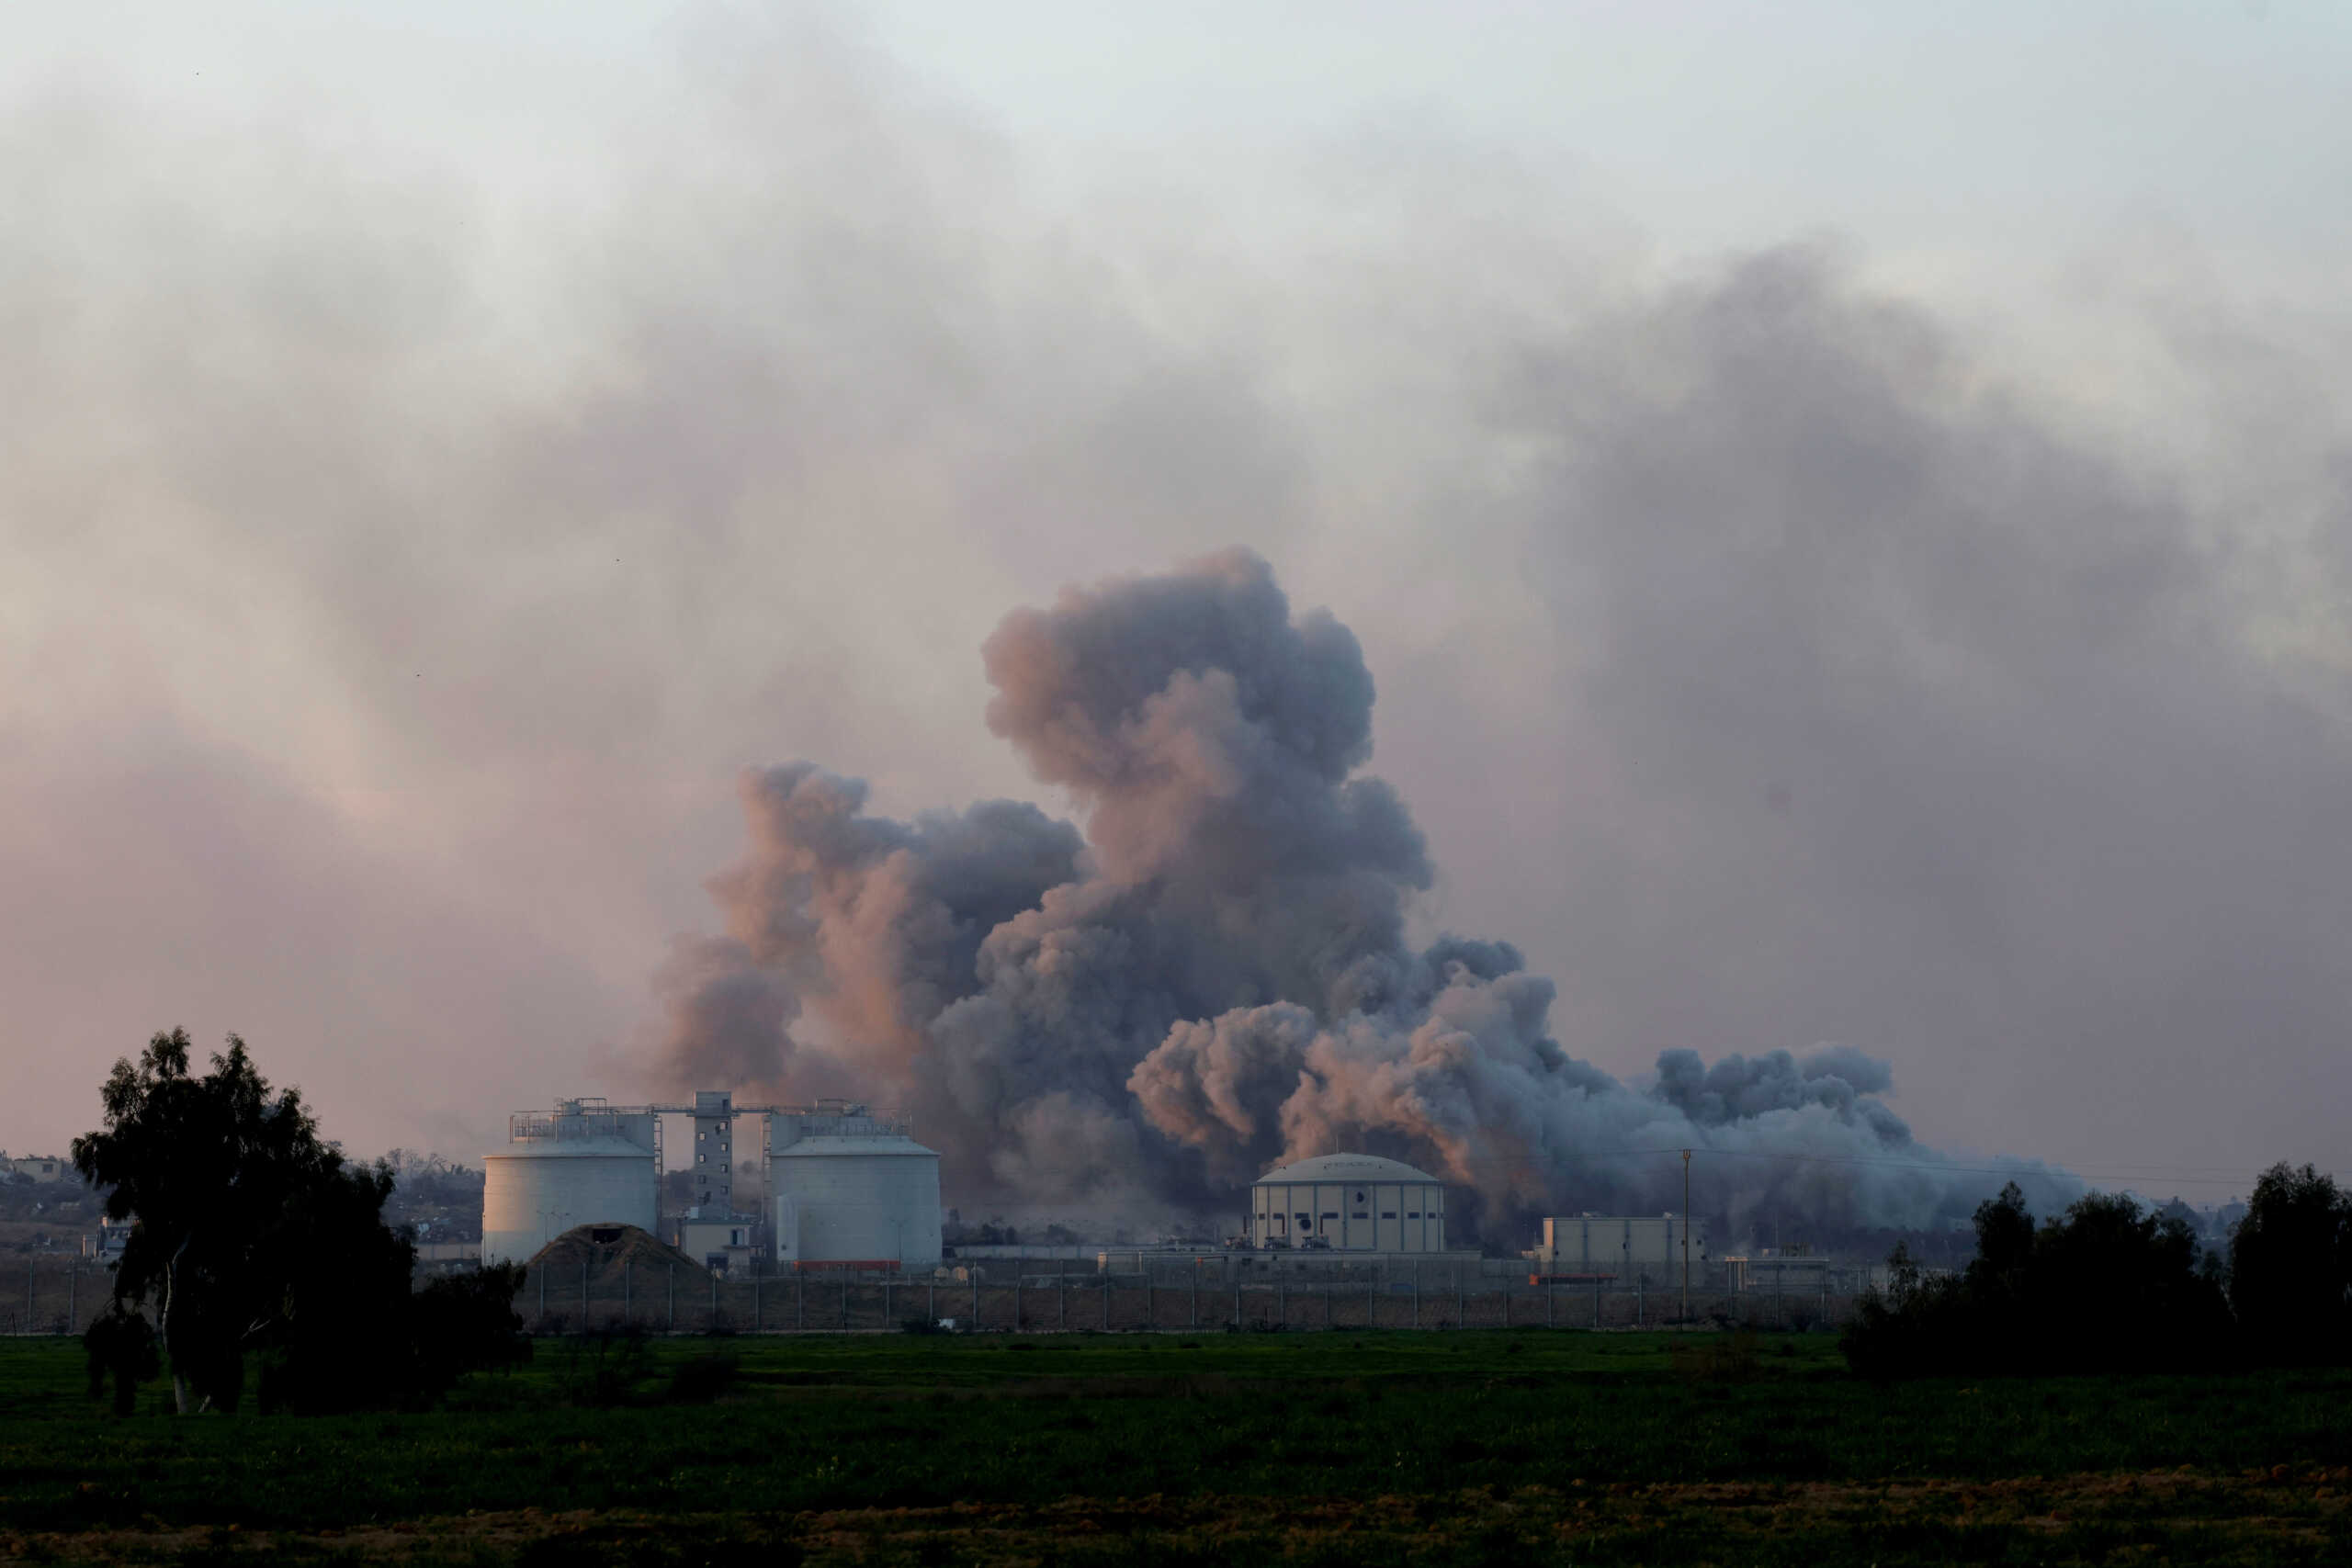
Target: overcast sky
1846,507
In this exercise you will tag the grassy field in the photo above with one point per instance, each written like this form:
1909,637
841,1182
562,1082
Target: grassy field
1469,1447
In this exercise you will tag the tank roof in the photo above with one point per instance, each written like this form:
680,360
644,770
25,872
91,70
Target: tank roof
572,1149
1344,1167
822,1146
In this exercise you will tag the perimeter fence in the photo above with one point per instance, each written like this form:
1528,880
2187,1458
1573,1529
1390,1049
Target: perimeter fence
62,1295
681,1301
51,1292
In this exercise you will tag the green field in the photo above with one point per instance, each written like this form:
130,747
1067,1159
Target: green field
1469,1447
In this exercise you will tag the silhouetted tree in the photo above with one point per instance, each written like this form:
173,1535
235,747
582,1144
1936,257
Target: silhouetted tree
2005,1236
340,1338
230,1186
2290,1268
2105,1287
2114,1287
254,1236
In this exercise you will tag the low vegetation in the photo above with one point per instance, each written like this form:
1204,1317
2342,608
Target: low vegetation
1532,1445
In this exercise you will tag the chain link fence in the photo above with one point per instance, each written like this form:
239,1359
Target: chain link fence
675,1301
62,1295
52,1293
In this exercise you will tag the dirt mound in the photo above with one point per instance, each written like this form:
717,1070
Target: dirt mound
606,1251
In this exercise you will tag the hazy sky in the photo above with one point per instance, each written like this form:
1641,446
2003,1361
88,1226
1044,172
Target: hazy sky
1847,508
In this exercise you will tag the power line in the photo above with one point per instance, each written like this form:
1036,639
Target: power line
2177,1175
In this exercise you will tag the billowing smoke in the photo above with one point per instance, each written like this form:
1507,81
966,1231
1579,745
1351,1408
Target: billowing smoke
1216,975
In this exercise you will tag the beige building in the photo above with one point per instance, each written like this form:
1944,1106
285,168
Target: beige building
1622,1246
722,1244
1348,1203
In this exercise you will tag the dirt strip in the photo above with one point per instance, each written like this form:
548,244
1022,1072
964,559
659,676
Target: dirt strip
2284,1513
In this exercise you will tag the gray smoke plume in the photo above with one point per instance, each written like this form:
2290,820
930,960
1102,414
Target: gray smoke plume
729,1018
1217,975
396,541
880,922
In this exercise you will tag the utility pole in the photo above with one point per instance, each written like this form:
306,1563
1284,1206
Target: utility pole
1686,1240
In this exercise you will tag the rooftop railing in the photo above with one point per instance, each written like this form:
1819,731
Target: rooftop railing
589,1118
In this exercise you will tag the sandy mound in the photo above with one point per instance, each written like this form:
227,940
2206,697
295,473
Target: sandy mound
607,1250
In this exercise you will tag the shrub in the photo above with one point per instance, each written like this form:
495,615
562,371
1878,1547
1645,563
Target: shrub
121,1345
704,1379
605,1369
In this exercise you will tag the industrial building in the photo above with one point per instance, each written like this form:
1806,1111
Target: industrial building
36,1168
725,1245
107,1244
1348,1203
844,1187
1625,1248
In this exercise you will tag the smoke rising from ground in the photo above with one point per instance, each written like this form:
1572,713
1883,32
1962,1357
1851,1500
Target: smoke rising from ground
398,558
1217,977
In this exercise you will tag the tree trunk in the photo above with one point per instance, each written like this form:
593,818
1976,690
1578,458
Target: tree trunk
182,1395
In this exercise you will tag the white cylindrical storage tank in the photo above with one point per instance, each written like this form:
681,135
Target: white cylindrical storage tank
857,1198
533,1191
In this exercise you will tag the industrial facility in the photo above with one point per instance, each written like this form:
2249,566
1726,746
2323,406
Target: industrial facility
36,1168
843,1188
1348,1203
1626,1248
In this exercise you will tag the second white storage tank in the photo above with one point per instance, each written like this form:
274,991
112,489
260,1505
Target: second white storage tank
857,1198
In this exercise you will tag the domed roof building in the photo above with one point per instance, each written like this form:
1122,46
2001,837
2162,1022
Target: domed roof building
1348,1203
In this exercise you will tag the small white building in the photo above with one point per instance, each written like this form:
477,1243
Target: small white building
1623,1246
1348,1203
722,1243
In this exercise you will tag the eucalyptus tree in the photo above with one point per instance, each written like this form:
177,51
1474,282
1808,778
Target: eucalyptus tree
251,1233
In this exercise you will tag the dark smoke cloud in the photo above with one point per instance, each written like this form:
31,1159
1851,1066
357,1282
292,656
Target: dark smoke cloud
879,922
1737,1088
1218,977
729,1019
